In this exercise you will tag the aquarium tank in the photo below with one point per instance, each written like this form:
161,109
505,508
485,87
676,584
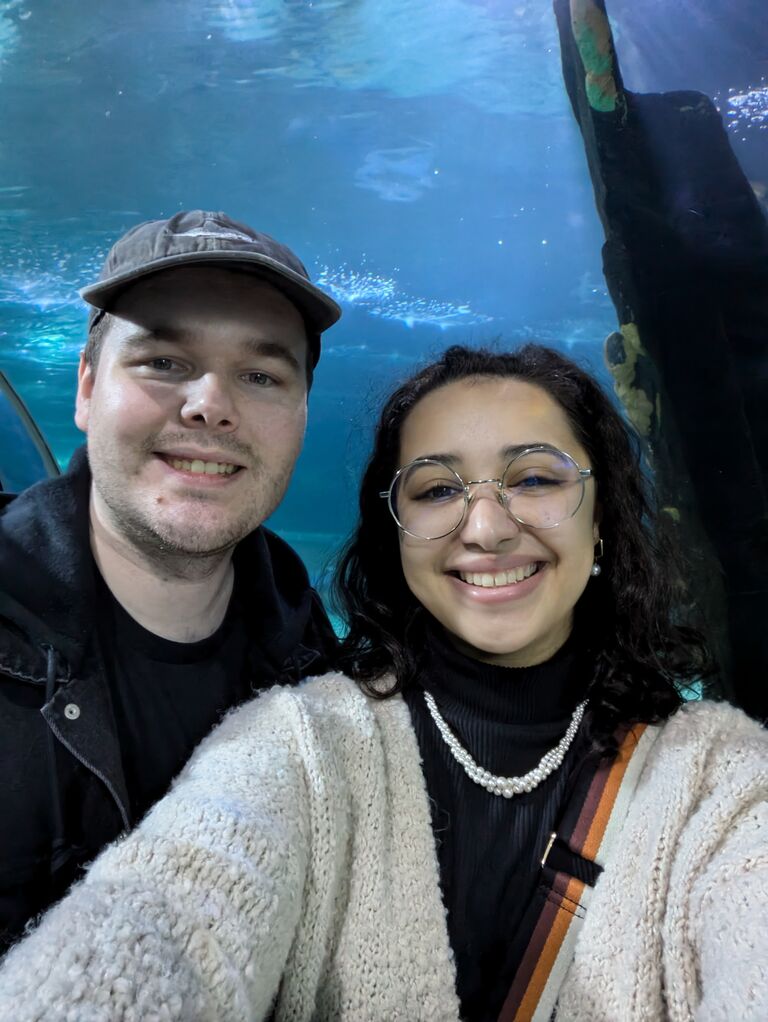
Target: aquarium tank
461,171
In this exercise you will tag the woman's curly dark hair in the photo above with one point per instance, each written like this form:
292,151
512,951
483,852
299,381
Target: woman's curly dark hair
625,616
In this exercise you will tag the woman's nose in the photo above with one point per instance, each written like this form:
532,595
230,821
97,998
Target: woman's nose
209,403
486,522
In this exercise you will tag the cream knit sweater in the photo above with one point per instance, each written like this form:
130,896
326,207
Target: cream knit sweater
294,859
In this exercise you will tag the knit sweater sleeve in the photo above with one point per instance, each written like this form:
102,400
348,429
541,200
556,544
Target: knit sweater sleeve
190,917
732,928
728,919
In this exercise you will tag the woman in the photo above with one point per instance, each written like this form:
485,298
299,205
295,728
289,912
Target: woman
369,846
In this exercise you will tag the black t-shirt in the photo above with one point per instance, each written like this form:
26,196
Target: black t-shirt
168,695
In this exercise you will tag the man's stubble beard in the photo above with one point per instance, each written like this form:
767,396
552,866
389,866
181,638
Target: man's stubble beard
182,549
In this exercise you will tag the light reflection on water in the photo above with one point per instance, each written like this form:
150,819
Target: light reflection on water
381,296
746,110
402,48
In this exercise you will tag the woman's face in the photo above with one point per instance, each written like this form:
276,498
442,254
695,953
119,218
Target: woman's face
474,421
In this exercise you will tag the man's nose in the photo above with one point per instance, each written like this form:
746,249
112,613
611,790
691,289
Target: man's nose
486,523
209,403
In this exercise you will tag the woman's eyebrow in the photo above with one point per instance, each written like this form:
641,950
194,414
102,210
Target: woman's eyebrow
514,449
506,453
445,459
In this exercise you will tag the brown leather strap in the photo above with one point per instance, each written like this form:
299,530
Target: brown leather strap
572,863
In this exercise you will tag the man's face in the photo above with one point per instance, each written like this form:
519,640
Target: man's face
196,411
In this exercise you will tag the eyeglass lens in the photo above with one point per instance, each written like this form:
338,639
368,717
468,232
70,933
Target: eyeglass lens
539,488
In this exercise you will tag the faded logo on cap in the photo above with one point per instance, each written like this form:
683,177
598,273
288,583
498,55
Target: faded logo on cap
201,232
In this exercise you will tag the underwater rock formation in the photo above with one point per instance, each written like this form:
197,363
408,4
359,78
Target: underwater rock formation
686,264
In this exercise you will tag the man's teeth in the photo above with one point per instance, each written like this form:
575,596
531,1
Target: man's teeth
209,468
500,578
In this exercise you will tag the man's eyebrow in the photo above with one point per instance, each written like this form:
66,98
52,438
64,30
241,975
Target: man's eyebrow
273,349
143,335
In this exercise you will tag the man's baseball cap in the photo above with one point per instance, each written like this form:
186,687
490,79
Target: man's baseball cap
199,237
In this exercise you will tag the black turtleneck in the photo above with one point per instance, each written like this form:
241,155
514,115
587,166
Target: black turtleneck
489,847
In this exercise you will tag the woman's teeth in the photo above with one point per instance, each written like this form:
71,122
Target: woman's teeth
209,468
500,578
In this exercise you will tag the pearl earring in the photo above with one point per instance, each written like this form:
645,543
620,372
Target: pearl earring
596,570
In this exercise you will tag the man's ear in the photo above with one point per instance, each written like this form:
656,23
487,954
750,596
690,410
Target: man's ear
85,382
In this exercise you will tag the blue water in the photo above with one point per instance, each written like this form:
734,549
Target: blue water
421,157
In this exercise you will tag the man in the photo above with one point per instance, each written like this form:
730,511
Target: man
140,596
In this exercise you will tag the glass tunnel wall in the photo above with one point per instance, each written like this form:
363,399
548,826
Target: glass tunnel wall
423,159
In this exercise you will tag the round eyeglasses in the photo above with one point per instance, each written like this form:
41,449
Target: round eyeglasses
540,487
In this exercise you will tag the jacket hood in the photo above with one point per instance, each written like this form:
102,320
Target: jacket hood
48,575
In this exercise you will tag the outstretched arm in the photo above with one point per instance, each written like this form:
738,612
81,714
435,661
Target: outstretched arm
730,927
191,917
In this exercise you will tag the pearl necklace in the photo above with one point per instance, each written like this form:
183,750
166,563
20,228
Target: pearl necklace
506,786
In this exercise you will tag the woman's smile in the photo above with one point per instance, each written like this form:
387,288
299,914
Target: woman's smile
495,584
494,579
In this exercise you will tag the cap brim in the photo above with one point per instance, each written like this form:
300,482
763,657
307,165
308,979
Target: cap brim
319,310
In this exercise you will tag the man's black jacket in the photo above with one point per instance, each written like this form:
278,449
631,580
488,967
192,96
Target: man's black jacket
62,790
